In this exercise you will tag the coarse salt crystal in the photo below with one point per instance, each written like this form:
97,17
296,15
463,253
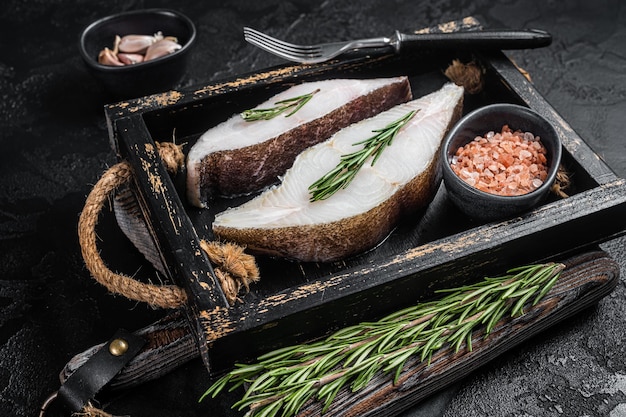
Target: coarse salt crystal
505,163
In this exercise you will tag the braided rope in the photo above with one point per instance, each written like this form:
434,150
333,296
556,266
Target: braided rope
236,269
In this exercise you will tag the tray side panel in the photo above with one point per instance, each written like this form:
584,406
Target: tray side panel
188,265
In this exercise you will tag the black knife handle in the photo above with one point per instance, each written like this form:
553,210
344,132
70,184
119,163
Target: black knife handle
476,40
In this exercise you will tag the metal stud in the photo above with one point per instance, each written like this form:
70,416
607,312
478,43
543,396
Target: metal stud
118,347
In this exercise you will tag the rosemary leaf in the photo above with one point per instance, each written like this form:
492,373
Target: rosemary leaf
216,388
459,336
545,289
363,378
294,104
523,291
412,334
468,342
397,359
262,382
278,353
430,343
486,314
518,308
398,315
508,293
298,398
398,372
253,401
328,363
388,339
347,333
349,164
495,318
479,291
328,392
300,376
243,370
466,312
271,410
359,354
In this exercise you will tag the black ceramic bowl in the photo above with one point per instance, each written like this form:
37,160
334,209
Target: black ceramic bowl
136,80
482,205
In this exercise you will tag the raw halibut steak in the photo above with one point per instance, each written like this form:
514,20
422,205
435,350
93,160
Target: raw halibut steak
239,156
282,221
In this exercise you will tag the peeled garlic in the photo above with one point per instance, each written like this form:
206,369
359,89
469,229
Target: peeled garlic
138,44
108,57
161,48
129,59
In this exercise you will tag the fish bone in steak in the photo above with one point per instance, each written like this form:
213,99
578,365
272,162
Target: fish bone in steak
282,221
240,157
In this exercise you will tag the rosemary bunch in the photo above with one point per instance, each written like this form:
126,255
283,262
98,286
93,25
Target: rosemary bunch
285,379
294,103
351,163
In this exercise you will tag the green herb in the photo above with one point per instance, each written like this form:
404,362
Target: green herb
284,380
351,163
282,106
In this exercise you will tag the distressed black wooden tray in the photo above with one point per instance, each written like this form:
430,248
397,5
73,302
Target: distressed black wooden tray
437,247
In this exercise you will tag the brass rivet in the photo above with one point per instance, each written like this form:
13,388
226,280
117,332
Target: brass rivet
118,347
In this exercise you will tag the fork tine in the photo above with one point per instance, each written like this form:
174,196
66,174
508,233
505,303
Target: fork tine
269,43
274,50
262,37
276,45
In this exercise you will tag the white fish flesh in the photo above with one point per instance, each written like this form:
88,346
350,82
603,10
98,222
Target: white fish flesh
239,156
282,221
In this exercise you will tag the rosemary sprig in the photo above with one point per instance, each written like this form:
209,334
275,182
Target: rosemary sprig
349,164
282,381
294,103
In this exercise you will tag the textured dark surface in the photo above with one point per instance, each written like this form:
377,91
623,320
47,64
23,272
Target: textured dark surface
55,146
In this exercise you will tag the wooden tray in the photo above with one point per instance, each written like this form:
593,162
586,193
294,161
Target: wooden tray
438,247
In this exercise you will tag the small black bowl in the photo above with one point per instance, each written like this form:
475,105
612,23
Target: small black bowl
144,78
482,205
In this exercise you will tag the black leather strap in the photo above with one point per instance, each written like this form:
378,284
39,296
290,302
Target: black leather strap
94,374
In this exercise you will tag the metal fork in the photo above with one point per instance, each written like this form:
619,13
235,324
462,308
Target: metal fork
488,39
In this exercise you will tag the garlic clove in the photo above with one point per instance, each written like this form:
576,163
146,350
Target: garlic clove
136,44
129,59
116,44
108,57
161,48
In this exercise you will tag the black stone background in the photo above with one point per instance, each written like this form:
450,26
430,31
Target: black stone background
54,146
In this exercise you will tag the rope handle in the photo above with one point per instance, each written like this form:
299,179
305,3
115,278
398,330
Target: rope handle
234,269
